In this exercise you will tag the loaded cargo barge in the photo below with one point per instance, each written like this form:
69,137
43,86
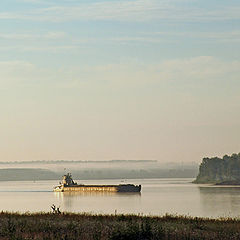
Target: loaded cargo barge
68,185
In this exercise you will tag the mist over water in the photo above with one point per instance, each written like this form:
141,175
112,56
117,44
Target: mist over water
158,196
86,165
115,169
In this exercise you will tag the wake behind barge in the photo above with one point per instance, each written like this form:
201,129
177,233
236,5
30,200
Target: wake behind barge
68,185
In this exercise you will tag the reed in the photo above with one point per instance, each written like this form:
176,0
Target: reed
115,227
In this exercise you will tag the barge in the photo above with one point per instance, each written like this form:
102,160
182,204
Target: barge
68,185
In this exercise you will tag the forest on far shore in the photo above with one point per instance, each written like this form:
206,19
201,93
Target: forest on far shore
225,170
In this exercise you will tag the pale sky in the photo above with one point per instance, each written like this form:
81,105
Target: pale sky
119,79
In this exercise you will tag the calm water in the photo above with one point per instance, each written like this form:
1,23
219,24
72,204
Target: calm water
159,196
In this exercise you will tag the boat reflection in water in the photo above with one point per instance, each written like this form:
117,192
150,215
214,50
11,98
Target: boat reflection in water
99,202
95,194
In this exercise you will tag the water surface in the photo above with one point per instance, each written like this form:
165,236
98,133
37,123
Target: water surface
158,196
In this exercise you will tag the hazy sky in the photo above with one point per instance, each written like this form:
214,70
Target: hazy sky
119,79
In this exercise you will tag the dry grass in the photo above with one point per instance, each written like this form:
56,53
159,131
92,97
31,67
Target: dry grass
110,227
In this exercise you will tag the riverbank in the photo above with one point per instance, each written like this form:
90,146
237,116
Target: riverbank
115,227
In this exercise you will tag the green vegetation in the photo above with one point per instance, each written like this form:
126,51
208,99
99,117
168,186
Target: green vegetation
110,227
224,170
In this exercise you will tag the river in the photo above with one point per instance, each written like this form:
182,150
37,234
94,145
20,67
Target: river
158,197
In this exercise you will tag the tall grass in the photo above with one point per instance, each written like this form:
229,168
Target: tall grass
115,227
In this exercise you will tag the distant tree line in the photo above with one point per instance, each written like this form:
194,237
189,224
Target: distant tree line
31,174
220,170
78,161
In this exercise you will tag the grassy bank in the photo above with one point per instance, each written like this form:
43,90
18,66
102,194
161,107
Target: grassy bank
120,227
